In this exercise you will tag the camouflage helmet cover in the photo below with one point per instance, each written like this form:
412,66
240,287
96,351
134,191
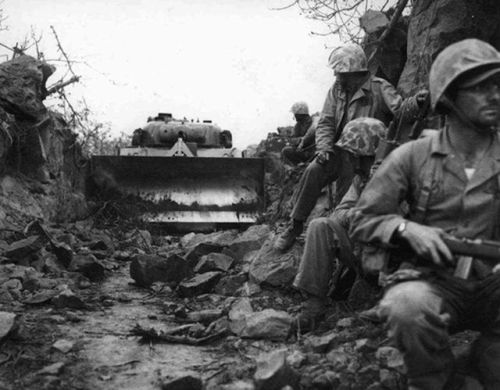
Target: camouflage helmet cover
300,108
455,60
349,58
361,136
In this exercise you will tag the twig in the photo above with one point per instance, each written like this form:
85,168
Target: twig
62,50
397,14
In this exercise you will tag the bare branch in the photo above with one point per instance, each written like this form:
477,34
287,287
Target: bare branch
295,2
397,14
61,84
62,50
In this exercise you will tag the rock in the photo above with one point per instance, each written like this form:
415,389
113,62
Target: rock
53,369
8,324
88,266
229,285
327,380
194,255
248,241
272,267
392,358
63,345
182,382
346,322
238,315
122,255
23,248
249,289
268,324
220,238
205,317
102,243
372,21
23,79
296,359
239,385
147,269
199,284
67,298
40,297
339,358
213,262
273,373
321,344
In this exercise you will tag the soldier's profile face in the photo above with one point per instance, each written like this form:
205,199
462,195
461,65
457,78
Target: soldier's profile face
481,102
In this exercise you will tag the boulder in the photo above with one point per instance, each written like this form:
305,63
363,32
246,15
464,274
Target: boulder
194,255
240,311
199,284
147,269
88,266
221,238
22,249
68,299
8,324
273,372
267,324
229,285
184,381
250,240
214,262
272,267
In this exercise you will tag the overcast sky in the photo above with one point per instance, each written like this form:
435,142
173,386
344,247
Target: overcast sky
236,62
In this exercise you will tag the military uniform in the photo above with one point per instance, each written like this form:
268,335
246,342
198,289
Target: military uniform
425,301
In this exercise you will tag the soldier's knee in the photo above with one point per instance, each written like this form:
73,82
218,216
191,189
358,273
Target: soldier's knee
406,302
318,225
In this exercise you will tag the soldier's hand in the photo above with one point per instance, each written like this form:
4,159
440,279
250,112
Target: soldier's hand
422,97
322,157
426,241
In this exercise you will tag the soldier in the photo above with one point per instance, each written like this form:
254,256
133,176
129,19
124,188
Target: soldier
354,94
303,135
326,238
451,182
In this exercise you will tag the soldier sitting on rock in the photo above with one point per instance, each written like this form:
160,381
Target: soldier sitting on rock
303,137
451,182
327,244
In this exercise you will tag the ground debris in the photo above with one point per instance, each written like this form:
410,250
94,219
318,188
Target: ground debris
152,334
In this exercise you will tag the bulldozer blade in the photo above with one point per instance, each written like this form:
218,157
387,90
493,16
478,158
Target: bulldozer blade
188,193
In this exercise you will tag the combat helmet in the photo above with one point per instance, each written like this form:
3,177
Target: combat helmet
457,59
361,136
347,59
300,108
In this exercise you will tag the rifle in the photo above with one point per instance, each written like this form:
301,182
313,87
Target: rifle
393,138
468,249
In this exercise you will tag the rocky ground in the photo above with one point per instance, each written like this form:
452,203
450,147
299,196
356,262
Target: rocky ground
117,308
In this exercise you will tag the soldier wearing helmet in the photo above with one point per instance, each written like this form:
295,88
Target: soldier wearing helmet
303,137
354,94
451,182
328,247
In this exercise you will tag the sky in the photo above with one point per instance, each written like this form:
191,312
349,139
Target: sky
236,62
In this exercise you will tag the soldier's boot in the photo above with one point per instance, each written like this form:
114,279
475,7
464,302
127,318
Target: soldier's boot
288,237
311,313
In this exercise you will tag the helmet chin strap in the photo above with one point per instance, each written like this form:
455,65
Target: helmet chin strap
452,106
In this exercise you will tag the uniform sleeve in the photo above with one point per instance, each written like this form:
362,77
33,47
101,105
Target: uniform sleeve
377,213
408,107
343,212
325,132
310,136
